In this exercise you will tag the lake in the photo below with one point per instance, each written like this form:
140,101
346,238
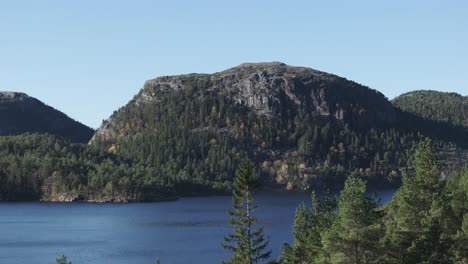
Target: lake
189,230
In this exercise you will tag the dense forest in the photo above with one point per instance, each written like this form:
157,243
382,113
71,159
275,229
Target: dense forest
303,128
51,168
439,106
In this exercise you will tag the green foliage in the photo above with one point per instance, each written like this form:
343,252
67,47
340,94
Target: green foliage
411,208
247,243
50,168
308,229
455,217
426,221
357,229
179,138
438,106
302,249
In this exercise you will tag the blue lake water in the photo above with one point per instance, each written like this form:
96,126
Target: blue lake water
189,230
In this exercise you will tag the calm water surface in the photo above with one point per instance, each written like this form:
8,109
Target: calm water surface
189,230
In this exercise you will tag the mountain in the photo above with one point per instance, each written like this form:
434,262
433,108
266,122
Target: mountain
434,105
20,113
303,128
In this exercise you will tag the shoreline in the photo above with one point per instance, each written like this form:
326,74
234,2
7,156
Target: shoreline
177,198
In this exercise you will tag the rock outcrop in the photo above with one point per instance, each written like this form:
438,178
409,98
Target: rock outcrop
261,85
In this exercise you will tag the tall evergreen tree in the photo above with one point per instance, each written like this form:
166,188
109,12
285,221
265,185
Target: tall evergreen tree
413,231
455,215
308,228
247,242
355,234
299,251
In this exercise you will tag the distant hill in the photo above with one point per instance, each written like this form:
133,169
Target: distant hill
304,129
434,105
20,113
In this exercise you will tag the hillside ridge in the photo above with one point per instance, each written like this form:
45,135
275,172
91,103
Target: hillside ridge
448,107
21,113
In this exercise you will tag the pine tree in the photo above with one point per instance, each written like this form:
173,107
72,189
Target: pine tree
410,232
355,234
309,225
299,251
247,243
455,215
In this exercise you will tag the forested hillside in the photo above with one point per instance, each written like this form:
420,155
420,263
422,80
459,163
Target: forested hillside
20,113
434,105
50,168
186,134
304,128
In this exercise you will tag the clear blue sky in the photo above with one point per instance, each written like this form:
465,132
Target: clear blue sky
88,58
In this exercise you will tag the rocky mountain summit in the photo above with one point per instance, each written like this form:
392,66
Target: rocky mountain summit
269,89
304,128
20,113
263,86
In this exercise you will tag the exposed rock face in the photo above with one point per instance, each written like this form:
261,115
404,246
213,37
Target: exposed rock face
20,113
261,85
